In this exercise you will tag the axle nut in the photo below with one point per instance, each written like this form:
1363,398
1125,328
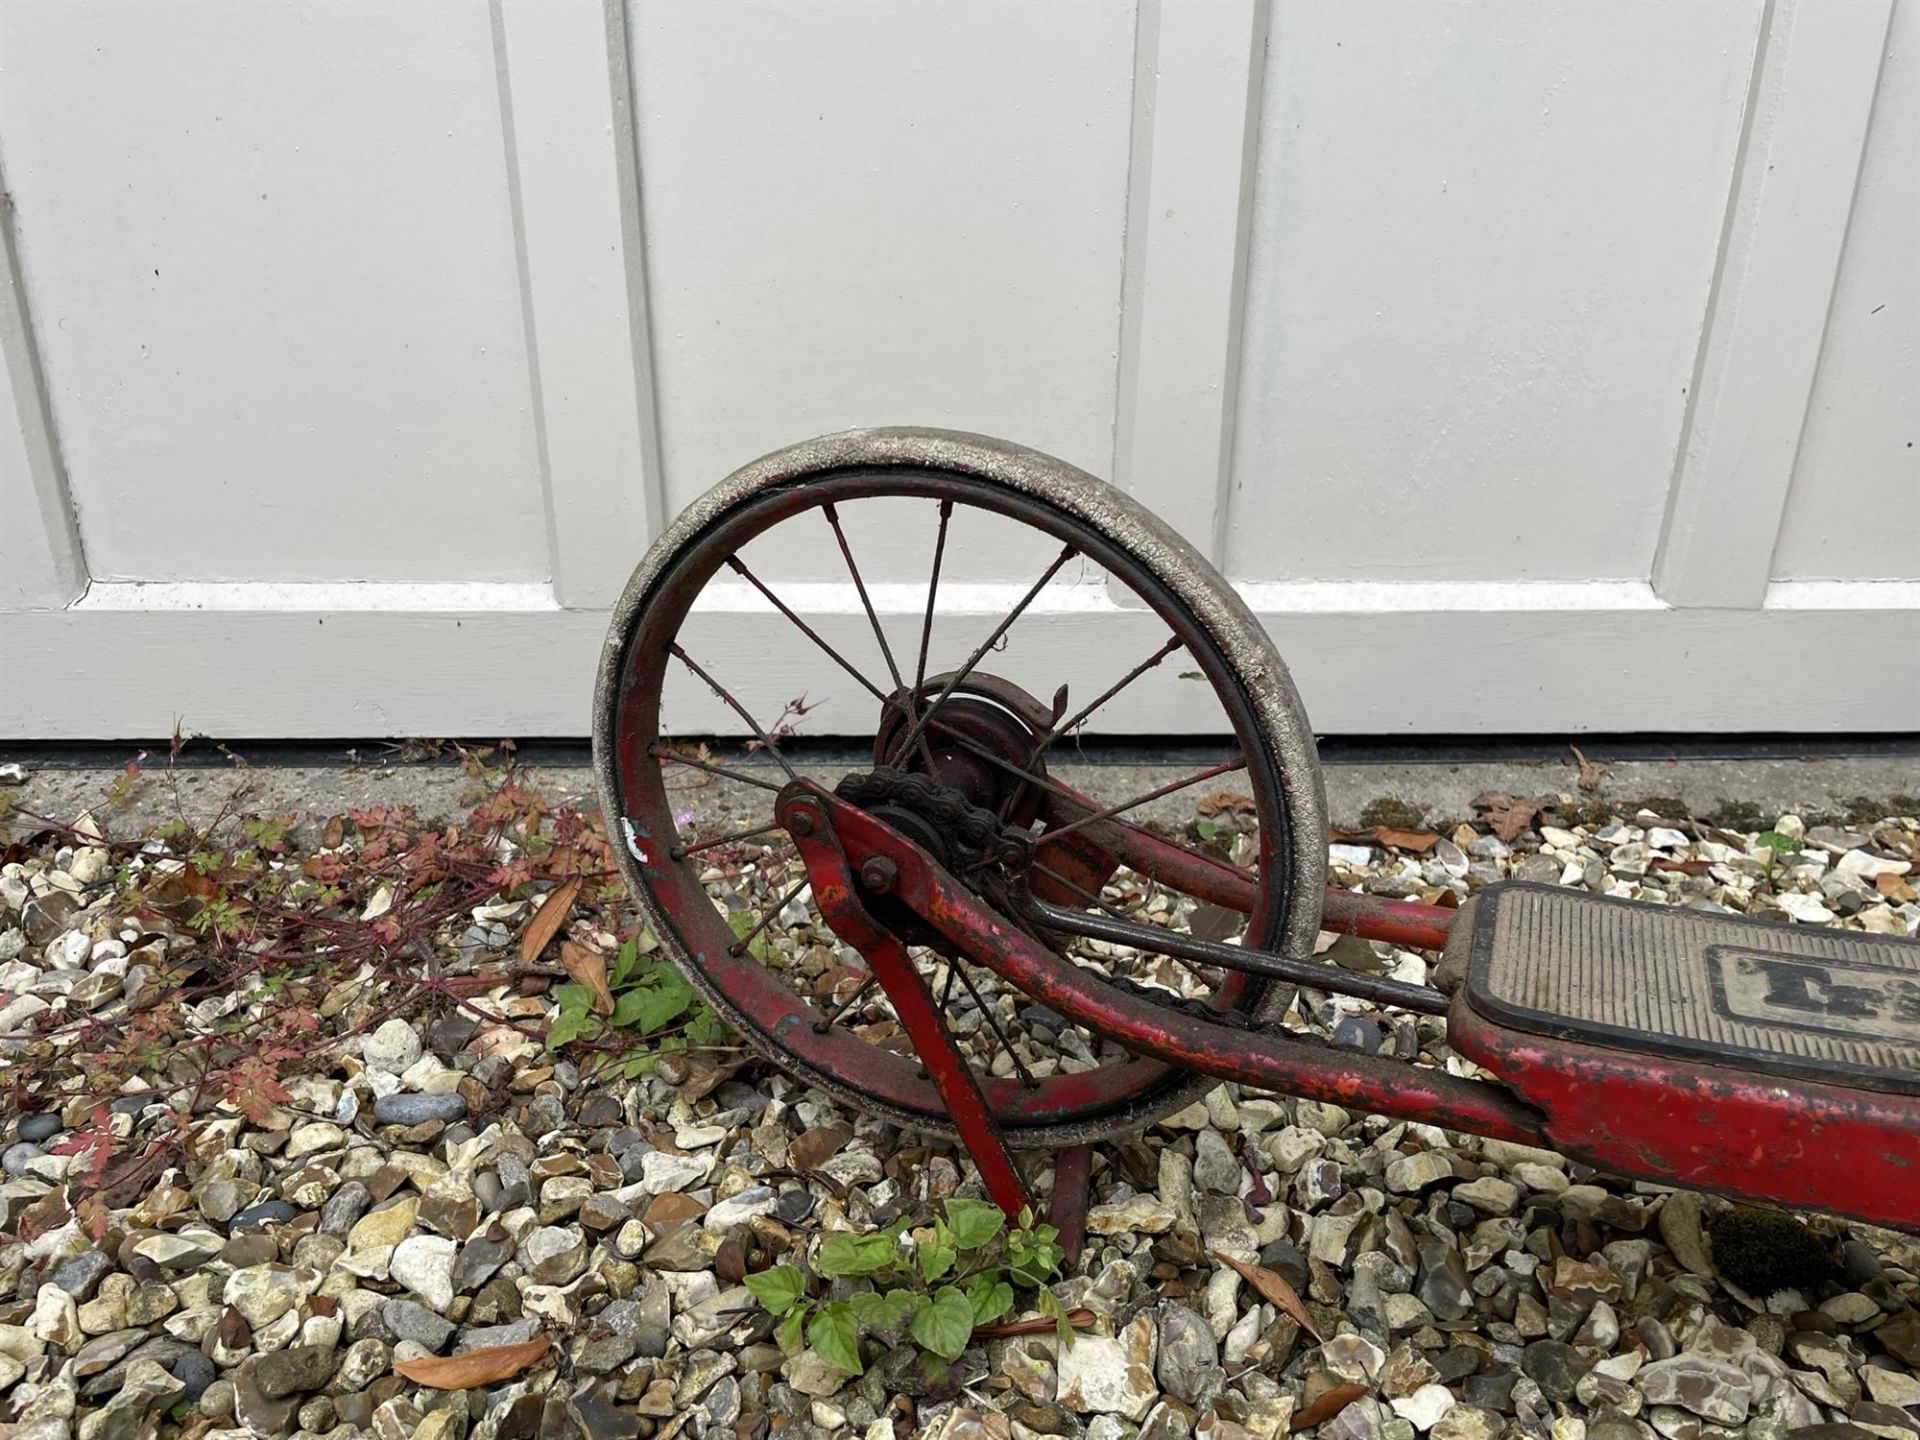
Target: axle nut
801,821
879,874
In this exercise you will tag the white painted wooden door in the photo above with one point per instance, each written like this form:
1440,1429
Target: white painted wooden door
1530,367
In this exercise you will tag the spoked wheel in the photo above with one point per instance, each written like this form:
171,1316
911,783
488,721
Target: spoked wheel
752,618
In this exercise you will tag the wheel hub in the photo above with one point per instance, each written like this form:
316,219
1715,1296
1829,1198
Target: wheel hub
981,741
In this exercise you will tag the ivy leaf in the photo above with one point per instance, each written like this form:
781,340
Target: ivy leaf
1049,1305
705,1028
657,1003
945,1326
623,963
792,1329
990,1296
883,1312
938,1379
974,1222
576,1017
835,1337
936,1256
760,948
779,1289
844,1253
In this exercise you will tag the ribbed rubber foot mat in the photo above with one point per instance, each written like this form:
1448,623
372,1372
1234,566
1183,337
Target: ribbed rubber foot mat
1831,1005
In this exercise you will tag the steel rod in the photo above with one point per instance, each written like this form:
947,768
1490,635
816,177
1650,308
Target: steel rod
1151,938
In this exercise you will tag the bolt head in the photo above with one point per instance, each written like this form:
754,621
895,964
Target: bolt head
879,874
801,821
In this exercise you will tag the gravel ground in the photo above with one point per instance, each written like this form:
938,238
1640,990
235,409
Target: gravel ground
435,1187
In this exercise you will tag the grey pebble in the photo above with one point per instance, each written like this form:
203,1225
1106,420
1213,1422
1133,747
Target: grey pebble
40,1127
410,1109
82,1275
481,1337
410,1320
267,1212
196,1372
344,1208
1357,1033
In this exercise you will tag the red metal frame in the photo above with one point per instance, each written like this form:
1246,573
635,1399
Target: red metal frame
1067,1208
1398,922
1853,1152
833,892
1707,1127
1270,1059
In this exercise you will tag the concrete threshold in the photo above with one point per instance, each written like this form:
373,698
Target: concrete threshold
1392,785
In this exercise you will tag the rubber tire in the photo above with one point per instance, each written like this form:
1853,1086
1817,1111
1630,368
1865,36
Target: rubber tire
1268,688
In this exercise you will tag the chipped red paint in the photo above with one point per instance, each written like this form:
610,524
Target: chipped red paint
1398,922
1270,1059
1067,1207
834,893
1706,1127
1852,1152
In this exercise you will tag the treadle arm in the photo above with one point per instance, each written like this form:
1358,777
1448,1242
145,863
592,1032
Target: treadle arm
1706,1127
834,893
1271,1060
1371,917
1153,939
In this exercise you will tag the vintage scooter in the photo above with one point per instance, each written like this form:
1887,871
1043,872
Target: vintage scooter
1678,1045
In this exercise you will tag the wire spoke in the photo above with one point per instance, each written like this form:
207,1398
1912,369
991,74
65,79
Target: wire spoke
739,946
986,1013
674,756
740,569
954,681
846,551
1081,891
734,705
1064,728
967,742
680,852
933,588
1238,763
820,1027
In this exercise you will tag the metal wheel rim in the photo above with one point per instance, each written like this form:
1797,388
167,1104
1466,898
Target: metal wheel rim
1055,500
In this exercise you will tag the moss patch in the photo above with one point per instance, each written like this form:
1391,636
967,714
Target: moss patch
1762,1251
1395,814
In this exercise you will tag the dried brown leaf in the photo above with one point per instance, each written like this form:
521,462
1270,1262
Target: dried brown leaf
547,920
1221,800
1590,773
1510,814
1417,841
1215,922
1078,1318
1274,1290
811,1149
487,1366
588,967
1682,867
1325,1406
333,832
234,1331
